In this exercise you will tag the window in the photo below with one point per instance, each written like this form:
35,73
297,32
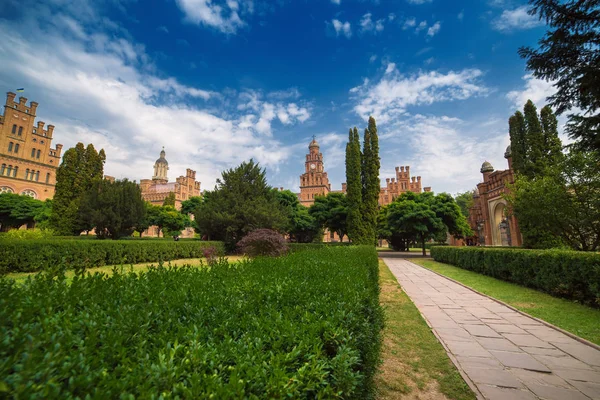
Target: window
38,154
17,148
48,177
9,170
15,172
2,169
27,173
5,189
34,139
29,192
14,129
10,146
34,131
32,153
41,141
20,130
37,176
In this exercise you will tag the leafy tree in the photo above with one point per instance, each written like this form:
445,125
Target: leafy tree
17,210
169,200
355,223
144,223
371,189
167,219
561,208
465,201
331,212
518,142
301,226
81,169
240,203
115,208
568,55
190,205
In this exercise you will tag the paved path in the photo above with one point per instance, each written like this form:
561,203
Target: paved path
504,353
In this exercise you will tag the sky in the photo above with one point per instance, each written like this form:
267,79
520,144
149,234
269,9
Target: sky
217,82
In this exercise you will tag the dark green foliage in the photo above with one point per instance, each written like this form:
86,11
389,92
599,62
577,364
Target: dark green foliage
518,142
191,205
301,226
169,200
371,189
561,273
354,187
465,201
552,146
263,242
168,220
81,169
568,54
331,212
562,208
241,202
303,326
17,210
37,255
535,141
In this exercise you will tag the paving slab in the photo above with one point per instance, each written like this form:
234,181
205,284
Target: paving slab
503,353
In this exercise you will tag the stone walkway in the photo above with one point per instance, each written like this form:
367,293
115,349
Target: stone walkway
505,354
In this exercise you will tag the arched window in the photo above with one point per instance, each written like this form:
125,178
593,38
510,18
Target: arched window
37,176
38,154
17,148
15,172
32,153
20,130
10,146
14,129
6,189
29,192
48,177
27,173
9,170
2,169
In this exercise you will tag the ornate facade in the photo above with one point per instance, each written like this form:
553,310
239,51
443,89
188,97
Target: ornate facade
28,163
489,217
157,189
402,183
314,181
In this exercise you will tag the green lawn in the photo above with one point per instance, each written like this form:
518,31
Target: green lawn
415,364
581,320
108,269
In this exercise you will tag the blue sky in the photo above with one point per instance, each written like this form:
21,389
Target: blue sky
218,82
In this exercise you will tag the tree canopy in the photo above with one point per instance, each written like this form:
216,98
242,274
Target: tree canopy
301,226
17,210
331,212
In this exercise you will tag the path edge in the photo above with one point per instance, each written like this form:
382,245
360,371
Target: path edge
548,324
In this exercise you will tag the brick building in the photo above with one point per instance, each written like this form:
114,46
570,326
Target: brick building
489,217
314,181
27,160
402,183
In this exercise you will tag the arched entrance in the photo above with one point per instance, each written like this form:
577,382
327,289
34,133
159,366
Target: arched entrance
500,226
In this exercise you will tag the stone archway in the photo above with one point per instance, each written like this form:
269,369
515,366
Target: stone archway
499,237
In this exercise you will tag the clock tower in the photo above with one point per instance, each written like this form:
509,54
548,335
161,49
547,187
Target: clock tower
314,181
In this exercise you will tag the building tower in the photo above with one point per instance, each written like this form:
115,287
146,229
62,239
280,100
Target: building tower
27,161
161,166
314,181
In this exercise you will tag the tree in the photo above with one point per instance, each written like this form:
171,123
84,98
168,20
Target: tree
144,223
17,210
561,208
167,219
465,201
169,200
190,205
355,223
370,172
331,212
80,170
115,208
518,142
241,202
568,55
301,226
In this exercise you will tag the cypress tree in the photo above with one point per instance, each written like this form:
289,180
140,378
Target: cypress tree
366,166
552,144
372,182
535,141
518,144
354,187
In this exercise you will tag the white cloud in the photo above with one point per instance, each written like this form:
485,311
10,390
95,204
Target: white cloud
388,99
409,23
224,16
536,90
342,28
461,15
391,67
336,2
368,25
422,25
517,19
434,29
419,1
373,58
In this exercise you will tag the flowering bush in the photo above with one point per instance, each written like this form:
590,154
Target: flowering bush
263,242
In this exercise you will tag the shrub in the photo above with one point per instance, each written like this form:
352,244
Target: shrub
211,254
303,326
263,242
26,234
561,273
36,255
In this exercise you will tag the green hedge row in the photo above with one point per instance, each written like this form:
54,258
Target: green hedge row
36,255
561,273
297,247
303,326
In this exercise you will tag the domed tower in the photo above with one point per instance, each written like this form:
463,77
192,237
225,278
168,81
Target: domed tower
486,170
161,166
508,156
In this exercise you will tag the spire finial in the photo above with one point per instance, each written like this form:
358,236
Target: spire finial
314,137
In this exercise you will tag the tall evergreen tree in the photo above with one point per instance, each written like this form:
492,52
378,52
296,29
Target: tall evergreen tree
371,181
535,140
518,142
367,159
552,144
354,187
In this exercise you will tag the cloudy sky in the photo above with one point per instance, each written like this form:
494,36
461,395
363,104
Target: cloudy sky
217,82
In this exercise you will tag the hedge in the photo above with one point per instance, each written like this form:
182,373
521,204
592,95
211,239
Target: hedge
36,255
303,326
561,273
298,247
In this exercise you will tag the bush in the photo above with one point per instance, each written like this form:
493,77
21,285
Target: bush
36,255
303,326
561,273
263,242
26,234
298,247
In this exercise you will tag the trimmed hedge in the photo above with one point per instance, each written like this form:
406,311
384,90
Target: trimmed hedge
303,326
36,255
298,247
561,273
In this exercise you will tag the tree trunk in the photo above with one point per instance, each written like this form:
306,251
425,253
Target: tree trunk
423,242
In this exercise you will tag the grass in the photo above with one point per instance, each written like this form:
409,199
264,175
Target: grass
20,277
578,319
414,362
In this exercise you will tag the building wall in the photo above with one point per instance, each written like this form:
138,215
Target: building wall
28,162
184,187
402,183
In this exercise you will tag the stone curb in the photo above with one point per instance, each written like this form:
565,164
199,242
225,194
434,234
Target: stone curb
548,324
